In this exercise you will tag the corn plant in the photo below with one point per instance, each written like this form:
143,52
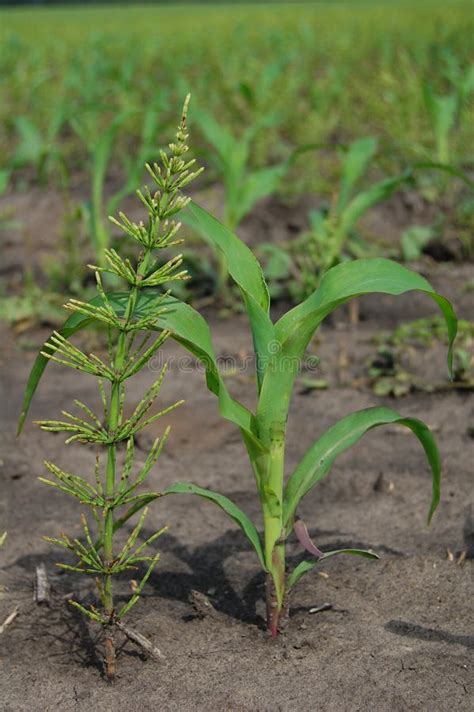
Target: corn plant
444,112
131,345
231,158
243,185
100,145
38,148
279,348
332,235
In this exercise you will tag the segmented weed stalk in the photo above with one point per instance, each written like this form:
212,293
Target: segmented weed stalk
279,348
132,342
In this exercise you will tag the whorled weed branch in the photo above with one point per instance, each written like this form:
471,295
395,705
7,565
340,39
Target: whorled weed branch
131,345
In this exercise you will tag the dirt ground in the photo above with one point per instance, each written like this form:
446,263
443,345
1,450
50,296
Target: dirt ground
399,633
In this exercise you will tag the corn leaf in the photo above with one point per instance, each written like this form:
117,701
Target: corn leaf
309,564
244,267
246,272
340,284
318,460
354,164
228,506
365,200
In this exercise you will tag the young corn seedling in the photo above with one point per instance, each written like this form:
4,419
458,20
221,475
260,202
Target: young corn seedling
444,112
332,236
40,149
100,145
279,348
132,342
243,186
231,156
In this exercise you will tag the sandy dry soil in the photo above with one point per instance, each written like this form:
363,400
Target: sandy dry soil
399,634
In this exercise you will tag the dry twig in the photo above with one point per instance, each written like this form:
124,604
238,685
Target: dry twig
9,620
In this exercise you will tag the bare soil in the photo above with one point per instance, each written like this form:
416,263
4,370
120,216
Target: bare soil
399,633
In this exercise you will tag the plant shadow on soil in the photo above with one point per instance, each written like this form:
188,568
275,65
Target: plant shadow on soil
411,630
207,574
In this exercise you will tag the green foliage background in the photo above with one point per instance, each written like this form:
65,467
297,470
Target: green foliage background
326,71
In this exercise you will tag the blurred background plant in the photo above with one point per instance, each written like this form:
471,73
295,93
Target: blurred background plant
87,96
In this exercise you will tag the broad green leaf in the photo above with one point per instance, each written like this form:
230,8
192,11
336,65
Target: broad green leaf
295,329
445,168
354,164
309,564
31,144
246,272
258,185
228,506
365,200
318,460
244,267
413,240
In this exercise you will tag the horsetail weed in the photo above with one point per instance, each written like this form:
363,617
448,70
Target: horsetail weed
279,348
131,345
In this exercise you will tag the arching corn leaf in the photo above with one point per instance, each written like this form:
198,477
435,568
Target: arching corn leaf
295,329
246,272
228,506
318,460
309,564
354,164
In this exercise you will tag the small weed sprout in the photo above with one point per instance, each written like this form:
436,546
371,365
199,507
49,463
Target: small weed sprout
132,342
